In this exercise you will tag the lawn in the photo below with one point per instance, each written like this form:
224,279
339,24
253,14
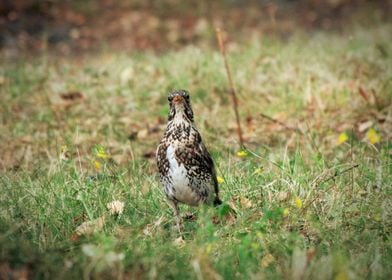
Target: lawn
311,189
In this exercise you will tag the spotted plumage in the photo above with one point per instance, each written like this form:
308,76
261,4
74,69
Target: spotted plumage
186,169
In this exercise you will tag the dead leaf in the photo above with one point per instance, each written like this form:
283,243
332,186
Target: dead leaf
150,229
115,207
231,203
228,219
27,139
245,203
365,126
375,98
282,196
90,227
369,98
142,134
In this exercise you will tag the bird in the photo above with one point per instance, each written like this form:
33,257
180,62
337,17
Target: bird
186,169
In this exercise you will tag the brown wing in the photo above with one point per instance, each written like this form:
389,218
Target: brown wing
210,163
198,157
161,158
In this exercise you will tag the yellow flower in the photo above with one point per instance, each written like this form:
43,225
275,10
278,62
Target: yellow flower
372,136
242,153
100,152
97,165
342,138
286,212
298,202
220,179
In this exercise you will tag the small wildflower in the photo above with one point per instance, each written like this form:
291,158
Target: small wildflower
100,152
242,153
115,207
97,165
298,202
286,212
343,137
220,179
372,136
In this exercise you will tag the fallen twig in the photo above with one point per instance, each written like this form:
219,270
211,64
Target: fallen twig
336,174
231,84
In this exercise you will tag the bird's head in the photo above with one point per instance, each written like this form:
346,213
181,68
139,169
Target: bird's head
180,105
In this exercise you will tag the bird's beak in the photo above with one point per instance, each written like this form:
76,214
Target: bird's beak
178,99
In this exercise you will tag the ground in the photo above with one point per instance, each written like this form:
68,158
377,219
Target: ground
310,190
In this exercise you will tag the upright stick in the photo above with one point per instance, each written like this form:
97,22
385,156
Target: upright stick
231,84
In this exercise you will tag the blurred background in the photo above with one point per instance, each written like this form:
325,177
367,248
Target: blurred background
69,27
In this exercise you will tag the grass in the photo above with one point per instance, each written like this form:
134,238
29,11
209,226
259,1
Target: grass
305,210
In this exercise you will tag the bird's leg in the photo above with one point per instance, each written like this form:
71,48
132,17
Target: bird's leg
176,209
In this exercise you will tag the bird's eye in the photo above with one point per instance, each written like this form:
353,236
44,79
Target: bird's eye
170,98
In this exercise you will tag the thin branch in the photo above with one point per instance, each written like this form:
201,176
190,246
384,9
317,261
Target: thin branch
231,84
336,174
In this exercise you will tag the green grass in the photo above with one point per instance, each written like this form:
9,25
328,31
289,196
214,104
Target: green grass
342,230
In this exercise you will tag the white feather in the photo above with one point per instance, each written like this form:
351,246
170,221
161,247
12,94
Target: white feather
180,181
